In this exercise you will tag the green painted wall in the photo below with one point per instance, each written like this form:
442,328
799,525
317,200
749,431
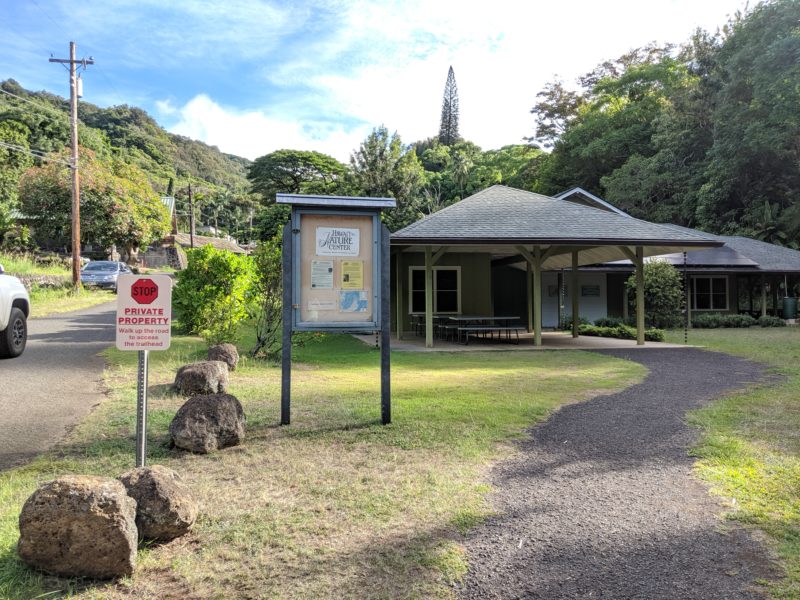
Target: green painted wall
476,277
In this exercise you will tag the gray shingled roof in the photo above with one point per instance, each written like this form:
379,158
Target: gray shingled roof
763,255
499,219
501,214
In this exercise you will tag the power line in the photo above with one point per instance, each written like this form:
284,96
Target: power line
36,104
34,153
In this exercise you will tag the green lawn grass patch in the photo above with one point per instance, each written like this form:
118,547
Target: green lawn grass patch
335,504
750,446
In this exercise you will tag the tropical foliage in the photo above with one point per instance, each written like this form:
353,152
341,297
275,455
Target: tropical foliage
704,135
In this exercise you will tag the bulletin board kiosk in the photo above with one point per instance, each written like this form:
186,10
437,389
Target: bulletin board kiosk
335,277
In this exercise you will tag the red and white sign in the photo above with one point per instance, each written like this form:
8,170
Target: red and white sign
144,312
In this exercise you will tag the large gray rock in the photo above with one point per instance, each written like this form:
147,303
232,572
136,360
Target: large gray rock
165,508
227,353
207,423
205,377
79,526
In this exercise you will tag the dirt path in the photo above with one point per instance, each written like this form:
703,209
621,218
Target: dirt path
55,383
601,502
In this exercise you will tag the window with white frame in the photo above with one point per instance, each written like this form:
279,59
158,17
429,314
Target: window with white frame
709,293
446,290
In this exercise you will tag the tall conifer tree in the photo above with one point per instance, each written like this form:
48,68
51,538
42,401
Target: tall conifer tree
448,128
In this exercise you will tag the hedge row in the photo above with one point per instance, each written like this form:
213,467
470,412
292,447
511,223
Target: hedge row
622,332
715,321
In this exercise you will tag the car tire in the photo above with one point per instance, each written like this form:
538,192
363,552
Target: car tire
14,337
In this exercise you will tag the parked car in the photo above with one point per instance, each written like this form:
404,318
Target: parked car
15,306
103,273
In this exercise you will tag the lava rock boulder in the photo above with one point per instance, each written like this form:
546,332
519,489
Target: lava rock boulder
227,353
165,507
79,526
208,422
205,377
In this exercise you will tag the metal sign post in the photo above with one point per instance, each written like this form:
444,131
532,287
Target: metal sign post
141,409
144,319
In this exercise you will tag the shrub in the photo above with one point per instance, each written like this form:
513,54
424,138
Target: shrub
608,322
268,289
707,321
715,320
212,294
770,321
738,321
663,294
566,323
622,332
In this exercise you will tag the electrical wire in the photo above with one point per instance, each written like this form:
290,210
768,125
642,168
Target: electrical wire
35,153
36,104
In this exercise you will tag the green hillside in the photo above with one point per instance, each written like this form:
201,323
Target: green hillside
38,122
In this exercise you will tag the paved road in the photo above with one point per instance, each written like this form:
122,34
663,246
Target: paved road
54,384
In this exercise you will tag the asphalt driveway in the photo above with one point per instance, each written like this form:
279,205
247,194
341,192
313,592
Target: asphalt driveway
55,383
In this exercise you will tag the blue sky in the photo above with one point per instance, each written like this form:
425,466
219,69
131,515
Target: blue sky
253,76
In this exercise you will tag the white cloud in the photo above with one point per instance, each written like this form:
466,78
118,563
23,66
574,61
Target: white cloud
386,62
255,133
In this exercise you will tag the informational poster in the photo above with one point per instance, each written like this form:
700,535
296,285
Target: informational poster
322,274
353,302
336,269
337,241
352,274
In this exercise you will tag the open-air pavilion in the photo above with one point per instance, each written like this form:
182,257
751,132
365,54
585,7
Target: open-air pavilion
445,263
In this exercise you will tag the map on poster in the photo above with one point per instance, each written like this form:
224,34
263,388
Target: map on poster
351,301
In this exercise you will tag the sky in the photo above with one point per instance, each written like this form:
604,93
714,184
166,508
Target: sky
255,76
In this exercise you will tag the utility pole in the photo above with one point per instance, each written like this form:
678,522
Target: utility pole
73,130
191,218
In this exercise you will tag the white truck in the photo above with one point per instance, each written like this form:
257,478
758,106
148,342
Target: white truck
15,306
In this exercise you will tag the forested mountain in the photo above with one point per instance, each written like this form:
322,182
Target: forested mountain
38,122
705,135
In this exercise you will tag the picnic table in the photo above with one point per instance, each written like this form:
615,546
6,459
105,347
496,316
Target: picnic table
482,325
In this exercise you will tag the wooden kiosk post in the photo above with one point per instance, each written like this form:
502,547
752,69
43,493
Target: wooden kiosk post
336,273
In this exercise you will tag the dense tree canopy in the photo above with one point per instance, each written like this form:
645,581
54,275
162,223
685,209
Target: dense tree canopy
118,206
706,136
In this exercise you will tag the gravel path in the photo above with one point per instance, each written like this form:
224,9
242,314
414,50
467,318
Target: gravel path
601,502
55,383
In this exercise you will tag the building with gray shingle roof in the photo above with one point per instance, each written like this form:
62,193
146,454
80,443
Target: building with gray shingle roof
469,257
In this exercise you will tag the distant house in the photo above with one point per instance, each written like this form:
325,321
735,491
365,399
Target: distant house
171,251
741,276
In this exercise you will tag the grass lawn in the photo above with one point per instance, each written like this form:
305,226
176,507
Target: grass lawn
335,505
24,264
750,448
47,300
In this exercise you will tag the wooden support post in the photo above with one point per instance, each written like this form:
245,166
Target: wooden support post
400,316
537,296
428,297
529,287
763,295
575,294
639,296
